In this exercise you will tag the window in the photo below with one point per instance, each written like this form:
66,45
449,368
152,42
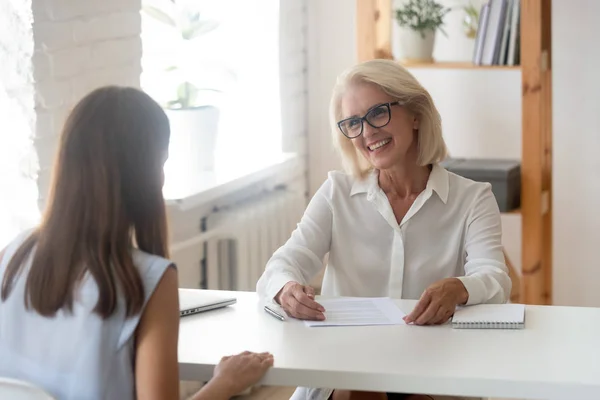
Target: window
214,66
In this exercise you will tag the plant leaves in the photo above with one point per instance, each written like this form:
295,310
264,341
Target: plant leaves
421,15
187,94
159,15
198,28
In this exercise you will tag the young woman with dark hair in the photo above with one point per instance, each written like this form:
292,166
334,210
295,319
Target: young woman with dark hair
89,301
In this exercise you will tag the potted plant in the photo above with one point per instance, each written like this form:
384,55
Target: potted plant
471,21
191,86
418,21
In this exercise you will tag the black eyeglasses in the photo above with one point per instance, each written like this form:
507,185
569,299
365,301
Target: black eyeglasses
378,117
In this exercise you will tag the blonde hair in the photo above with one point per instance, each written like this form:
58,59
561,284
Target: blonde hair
397,82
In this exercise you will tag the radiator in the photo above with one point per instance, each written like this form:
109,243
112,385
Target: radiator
238,240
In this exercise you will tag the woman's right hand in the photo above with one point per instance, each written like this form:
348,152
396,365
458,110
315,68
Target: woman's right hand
238,373
299,302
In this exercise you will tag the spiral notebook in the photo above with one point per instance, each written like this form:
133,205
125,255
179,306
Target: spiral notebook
490,316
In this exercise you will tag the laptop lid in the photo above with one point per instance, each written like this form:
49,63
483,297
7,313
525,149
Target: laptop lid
193,301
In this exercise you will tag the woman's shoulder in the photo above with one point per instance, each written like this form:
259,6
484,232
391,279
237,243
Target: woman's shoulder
151,268
342,183
146,262
340,178
464,188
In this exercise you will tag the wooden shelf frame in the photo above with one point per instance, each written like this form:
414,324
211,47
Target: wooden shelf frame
536,163
374,22
461,65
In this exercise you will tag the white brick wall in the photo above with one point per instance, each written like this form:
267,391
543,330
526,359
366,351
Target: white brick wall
79,45
17,158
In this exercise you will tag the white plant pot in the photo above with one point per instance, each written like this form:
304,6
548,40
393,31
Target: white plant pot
415,48
193,138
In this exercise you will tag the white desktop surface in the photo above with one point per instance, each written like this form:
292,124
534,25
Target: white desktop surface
557,355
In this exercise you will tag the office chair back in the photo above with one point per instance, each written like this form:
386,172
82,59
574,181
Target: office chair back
19,390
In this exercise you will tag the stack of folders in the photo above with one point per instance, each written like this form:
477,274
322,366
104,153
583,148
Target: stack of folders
490,316
498,34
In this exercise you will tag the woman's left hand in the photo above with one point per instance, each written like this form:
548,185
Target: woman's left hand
438,302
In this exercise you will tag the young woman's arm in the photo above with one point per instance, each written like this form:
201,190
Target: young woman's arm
156,366
235,374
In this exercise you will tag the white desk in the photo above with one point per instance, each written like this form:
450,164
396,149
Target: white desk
557,356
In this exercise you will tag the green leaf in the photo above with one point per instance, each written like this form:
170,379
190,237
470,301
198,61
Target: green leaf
421,15
159,15
187,94
198,28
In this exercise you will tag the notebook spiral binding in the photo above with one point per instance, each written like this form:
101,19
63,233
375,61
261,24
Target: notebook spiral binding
488,325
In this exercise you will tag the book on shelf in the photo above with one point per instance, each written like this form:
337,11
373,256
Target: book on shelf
480,38
498,34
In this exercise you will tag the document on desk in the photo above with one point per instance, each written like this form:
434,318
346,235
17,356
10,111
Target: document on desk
359,311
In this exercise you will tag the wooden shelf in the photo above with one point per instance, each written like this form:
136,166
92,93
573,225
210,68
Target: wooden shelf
460,65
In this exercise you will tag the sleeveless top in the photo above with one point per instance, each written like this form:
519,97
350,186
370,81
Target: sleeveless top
74,355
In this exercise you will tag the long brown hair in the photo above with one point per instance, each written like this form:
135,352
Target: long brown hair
106,192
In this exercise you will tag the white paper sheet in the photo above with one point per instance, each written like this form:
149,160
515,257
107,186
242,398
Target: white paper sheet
356,311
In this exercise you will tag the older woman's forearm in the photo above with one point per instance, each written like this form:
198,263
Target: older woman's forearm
491,286
301,257
274,279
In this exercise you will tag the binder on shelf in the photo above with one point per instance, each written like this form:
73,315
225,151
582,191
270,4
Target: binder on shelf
494,31
506,32
512,57
481,30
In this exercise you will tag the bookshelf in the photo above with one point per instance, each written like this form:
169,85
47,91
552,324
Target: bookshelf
459,65
534,284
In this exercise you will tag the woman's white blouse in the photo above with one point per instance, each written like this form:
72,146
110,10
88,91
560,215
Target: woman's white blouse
452,230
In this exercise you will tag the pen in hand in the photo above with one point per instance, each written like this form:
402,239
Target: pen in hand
274,313
298,301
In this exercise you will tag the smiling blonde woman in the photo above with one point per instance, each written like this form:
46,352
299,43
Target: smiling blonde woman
395,223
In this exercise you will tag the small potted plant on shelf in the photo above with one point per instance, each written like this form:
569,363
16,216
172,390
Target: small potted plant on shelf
471,21
418,21
190,85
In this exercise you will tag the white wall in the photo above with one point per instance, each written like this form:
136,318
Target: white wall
293,74
481,110
79,46
331,38
576,124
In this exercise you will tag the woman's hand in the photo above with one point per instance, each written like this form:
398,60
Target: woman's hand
438,302
237,373
299,302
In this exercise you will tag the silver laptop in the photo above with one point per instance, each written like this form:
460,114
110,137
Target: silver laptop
194,301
